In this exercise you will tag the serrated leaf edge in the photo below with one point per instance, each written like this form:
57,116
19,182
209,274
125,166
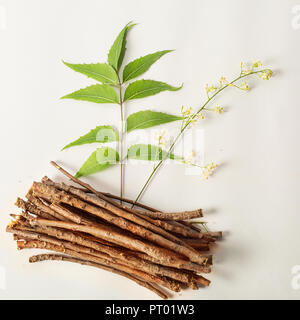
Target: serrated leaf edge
171,89
165,52
111,81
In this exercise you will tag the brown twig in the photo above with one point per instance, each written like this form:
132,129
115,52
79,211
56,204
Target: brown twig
39,204
147,246
183,265
94,243
176,216
165,227
27,206
139,217
79,244
55,195
57,257
177,228
154,213
164,281
114,208
115,197
110,235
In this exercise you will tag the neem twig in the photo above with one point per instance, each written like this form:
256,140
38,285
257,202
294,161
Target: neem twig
34,244
38,203
108,204
61,196
176,216
115,197
27,206
149,247
111,235
58,257
105,252
114,208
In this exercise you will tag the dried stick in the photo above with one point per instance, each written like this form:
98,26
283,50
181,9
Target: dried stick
190,225
201,280
61,196
151,246
138,204
93,243
171,226
114,208
31,235
185,265
154,213
33,244
98,250
31,222
115,197
103,197
199,245
135,216
176,216
214,234
209,234
174,226
72,216
38,203
86,220
79,219
90,188
27,206
57,257
110,235
57,232
24,226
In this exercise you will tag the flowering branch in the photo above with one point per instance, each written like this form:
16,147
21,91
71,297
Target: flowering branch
211,92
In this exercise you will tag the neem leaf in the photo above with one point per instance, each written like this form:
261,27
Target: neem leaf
99,71
117,50
144,88
149,152
99,160
99,93
141,65
100,134
147,119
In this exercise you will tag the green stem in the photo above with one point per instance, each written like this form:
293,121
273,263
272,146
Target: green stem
182,130
121,140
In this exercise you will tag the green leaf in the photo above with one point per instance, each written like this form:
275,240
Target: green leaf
100,134
148,118
144,88
99,160
149,152
99,93
117,50
99,71
141,65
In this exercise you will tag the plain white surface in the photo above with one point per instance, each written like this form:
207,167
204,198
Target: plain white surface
254,196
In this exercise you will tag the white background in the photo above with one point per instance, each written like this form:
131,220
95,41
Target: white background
254,195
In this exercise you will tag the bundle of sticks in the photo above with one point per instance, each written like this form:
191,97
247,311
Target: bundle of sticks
156,250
